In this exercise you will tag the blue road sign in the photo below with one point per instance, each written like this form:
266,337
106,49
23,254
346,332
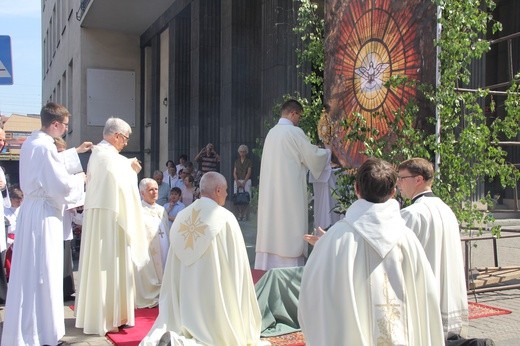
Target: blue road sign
6,63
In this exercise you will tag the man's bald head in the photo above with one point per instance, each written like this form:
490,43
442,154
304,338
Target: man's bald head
214,186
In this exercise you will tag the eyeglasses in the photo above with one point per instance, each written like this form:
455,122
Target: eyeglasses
126,137
406,177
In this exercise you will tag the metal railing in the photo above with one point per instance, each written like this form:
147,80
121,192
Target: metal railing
491,90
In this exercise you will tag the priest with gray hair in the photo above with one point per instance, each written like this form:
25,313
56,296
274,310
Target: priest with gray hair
112,238
148,279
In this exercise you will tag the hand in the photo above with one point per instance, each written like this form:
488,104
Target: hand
136,165
82,176
2,184
313,238
84,147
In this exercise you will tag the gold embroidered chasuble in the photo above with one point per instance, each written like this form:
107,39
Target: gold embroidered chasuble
207,293
368,282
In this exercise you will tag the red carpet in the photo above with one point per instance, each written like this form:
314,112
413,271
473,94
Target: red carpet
144,319
477,310
257,274
291,339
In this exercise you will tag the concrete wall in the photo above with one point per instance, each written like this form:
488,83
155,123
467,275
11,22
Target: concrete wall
60,59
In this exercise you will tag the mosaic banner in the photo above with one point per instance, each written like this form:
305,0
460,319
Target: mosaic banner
368,42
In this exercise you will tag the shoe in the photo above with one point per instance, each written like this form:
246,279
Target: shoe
125,326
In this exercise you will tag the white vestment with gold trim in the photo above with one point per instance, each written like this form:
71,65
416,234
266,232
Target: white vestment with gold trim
207,292
368,282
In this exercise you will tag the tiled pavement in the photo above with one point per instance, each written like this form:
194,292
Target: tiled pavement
503,329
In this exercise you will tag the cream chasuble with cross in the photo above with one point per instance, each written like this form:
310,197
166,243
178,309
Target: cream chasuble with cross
207,293
368,282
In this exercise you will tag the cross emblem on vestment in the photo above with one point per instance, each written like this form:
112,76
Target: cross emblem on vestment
391,312
192,228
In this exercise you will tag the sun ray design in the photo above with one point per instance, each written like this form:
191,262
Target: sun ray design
374,40
192,229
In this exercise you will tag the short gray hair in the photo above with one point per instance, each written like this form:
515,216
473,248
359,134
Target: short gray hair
116,125
157,172
210,181
244,148
144,182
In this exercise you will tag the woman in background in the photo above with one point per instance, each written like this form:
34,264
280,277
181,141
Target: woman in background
189,191
242,175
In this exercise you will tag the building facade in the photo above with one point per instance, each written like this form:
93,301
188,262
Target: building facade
183,73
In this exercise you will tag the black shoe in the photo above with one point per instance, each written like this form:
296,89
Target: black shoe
125,326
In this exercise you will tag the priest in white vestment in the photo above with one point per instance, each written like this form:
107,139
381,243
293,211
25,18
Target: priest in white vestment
148,279
437,228
112,238
6,203
34,308
207,295
283,201
69,216
368,281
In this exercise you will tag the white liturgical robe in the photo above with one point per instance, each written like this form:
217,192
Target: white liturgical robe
324,203
207,293
368,282
112,238
283,201
34,307
148,278
4,203
437,228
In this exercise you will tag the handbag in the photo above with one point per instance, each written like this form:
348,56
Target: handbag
241,197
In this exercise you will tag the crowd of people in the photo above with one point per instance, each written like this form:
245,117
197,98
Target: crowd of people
379,275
